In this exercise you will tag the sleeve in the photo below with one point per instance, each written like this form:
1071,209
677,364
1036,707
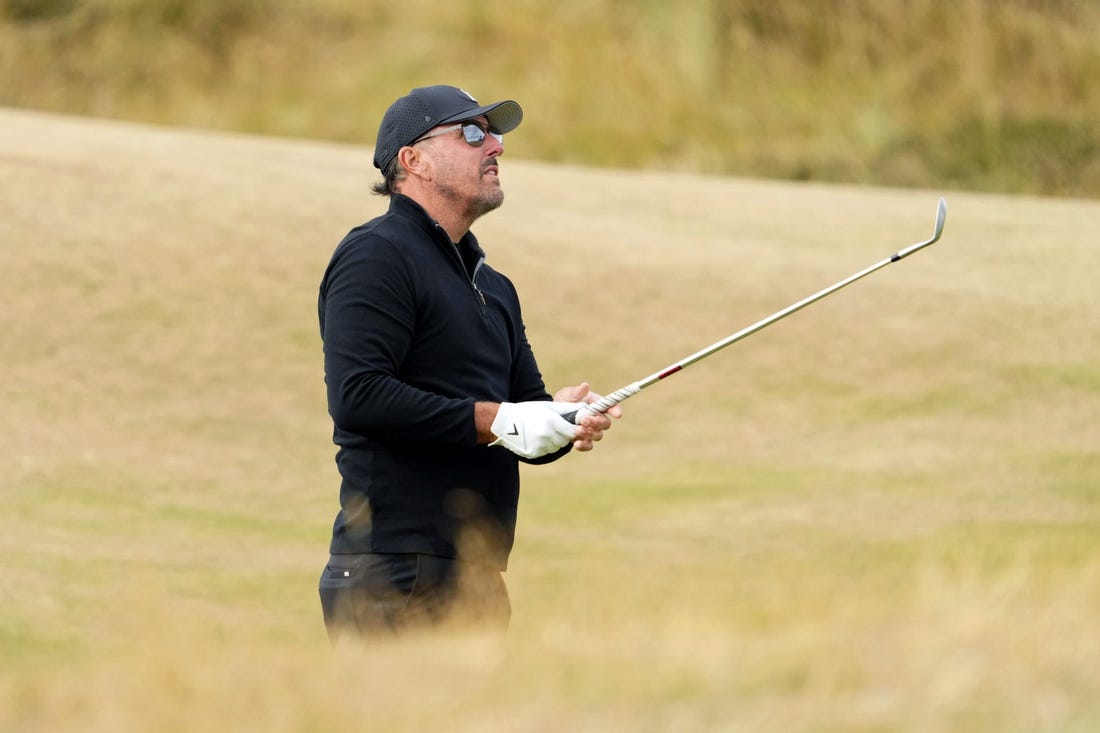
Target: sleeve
526,380
368,308
527,383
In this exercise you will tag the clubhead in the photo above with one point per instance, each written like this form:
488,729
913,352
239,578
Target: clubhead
941,217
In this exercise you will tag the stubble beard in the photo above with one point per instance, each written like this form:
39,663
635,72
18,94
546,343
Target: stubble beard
487,198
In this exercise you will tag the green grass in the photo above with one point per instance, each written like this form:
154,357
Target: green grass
879,514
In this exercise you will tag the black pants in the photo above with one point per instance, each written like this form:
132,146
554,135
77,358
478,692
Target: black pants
374,594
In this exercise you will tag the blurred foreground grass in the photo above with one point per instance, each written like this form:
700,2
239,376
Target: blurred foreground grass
880,514
995,95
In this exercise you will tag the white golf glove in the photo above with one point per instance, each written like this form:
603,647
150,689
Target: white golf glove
533,429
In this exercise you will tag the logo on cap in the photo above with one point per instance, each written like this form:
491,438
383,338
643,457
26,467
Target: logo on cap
468,95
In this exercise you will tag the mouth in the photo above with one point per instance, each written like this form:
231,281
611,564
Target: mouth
492,169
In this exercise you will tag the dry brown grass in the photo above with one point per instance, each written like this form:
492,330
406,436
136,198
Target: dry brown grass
995,95
880,514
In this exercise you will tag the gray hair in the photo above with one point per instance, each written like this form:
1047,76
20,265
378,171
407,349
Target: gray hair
391,179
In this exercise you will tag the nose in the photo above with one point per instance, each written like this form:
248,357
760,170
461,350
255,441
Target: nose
493,147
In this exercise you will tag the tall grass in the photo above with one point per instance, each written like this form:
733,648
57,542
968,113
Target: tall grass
998,95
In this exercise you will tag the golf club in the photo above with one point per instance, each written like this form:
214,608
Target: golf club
606,403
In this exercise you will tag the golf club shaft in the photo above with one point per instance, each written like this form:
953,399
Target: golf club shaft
607,402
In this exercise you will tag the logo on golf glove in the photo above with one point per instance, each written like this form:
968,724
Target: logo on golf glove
534,429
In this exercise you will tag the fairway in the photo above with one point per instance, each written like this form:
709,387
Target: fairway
880,514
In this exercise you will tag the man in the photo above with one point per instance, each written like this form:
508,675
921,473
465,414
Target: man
433,390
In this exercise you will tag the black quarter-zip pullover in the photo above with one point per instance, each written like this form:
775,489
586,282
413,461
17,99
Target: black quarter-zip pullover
416,329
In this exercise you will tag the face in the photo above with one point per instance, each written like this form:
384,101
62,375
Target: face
465,175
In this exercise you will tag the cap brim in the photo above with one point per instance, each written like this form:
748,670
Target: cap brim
503,116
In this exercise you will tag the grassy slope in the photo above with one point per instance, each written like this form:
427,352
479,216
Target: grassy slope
877,515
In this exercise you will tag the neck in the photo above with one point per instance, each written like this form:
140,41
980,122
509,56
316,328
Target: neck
453,220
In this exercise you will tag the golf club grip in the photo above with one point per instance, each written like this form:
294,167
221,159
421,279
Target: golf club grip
604,404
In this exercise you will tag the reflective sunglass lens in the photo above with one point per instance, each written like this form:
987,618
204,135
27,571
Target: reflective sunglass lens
475,135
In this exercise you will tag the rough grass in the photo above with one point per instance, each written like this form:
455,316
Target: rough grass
879,514
996,95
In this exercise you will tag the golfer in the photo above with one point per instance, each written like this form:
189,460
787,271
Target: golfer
433,389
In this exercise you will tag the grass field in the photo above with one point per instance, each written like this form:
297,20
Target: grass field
983,95
880,514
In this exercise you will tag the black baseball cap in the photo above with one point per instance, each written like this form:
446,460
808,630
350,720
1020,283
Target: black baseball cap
426,107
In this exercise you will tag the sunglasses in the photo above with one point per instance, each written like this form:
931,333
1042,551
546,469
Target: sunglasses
473,133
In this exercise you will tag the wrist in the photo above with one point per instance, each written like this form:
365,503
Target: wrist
484,415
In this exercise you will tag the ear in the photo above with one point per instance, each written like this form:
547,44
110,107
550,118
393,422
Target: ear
414,162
